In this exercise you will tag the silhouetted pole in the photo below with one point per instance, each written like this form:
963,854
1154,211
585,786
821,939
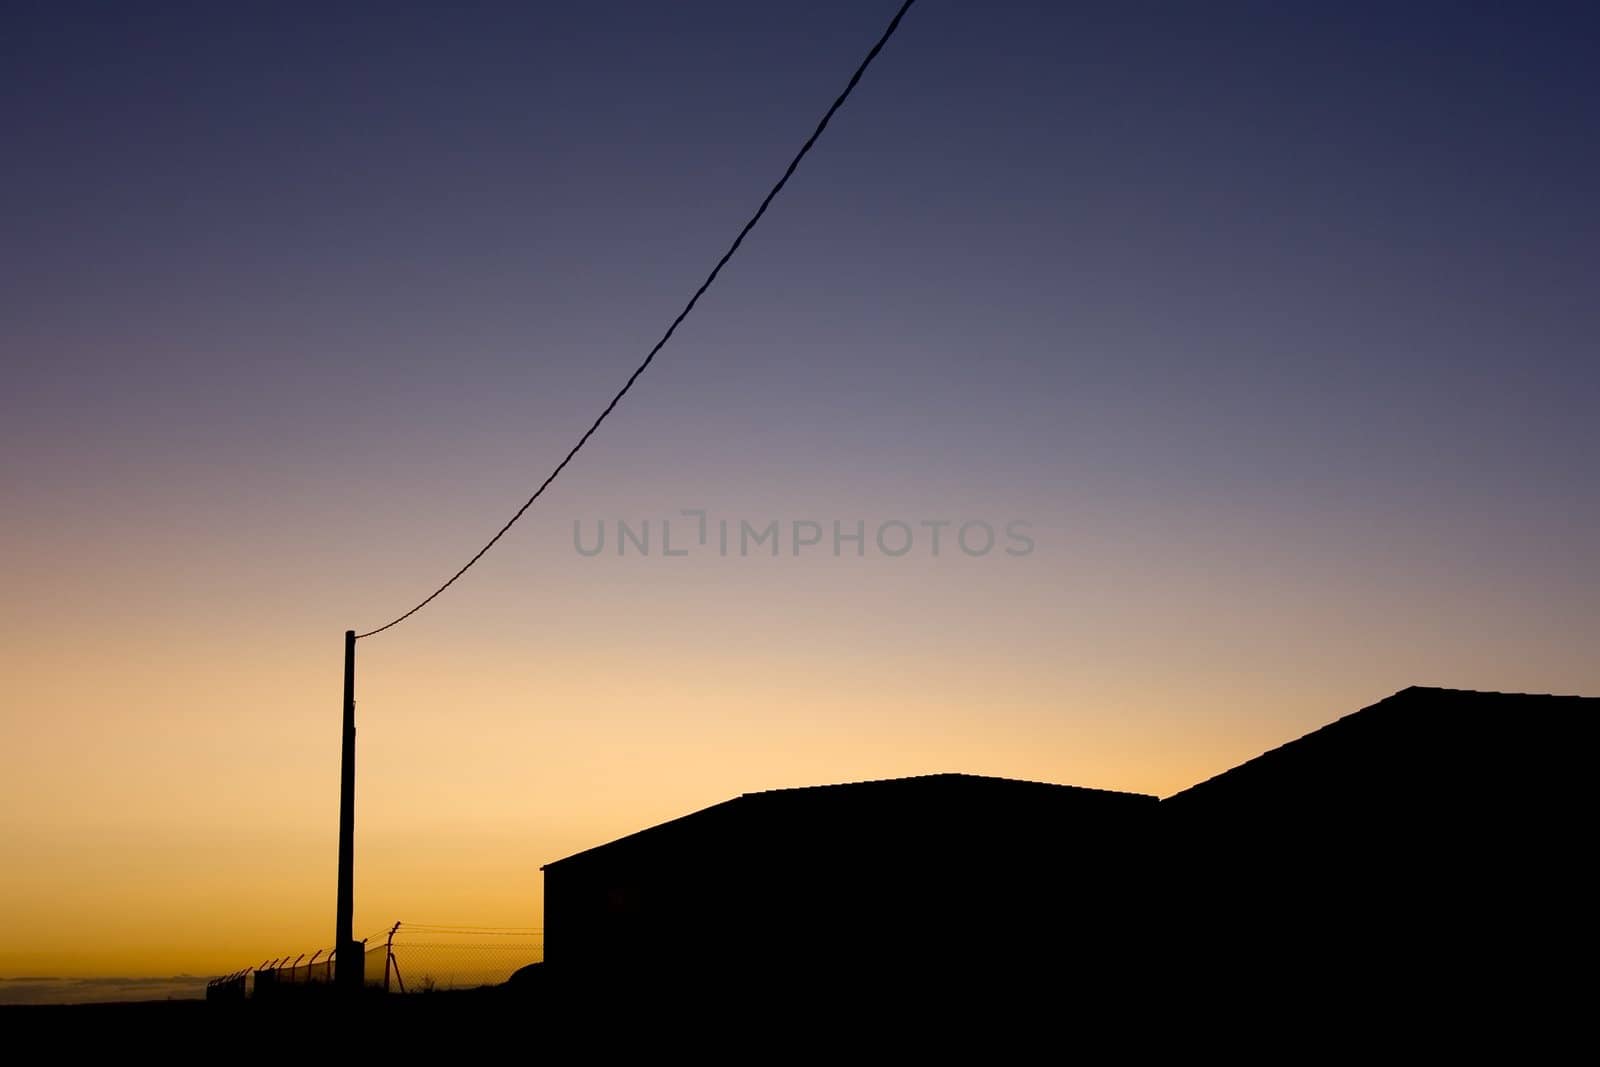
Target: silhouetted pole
349,958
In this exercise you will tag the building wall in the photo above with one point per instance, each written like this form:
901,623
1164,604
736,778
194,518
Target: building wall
836,890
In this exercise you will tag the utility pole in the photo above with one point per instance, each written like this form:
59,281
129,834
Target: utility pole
349,958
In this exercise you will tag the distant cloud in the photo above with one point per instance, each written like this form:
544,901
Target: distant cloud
92,990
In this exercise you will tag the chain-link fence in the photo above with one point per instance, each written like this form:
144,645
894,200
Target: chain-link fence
404,959
229,987
303,973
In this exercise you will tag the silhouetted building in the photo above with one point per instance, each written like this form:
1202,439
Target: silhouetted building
1434,840
933,880
1432,837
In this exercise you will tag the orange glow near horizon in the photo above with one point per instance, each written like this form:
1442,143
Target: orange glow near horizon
1279,334
181,794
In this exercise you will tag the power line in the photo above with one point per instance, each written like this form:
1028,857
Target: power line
698,293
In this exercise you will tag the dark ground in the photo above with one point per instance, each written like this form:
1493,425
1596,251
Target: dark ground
1209,1010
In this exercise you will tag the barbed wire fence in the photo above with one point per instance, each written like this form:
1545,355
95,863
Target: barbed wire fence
405,958
426,958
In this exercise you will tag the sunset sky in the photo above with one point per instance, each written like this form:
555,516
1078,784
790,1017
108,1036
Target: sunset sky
1276,327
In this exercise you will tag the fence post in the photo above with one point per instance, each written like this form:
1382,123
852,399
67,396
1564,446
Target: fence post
388,956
